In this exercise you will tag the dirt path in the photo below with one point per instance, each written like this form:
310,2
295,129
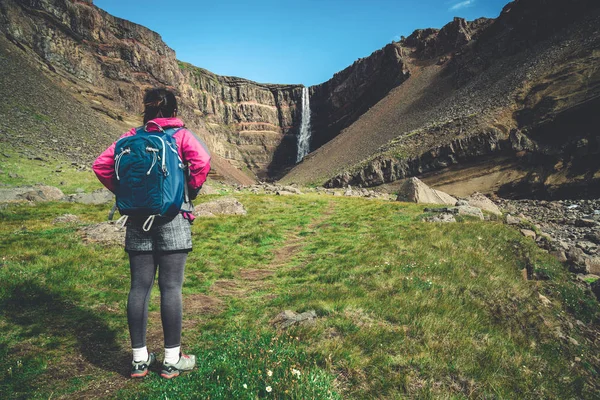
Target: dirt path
197,308
253,279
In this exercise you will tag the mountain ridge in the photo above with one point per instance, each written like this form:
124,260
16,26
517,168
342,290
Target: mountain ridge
508,72
430,79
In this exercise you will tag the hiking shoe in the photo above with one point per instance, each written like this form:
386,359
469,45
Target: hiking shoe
139,369
185,363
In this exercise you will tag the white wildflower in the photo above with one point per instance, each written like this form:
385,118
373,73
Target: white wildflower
245,386
296,372
269,372
268,389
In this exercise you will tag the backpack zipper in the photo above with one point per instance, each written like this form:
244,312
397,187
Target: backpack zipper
124,151
154,157
164,166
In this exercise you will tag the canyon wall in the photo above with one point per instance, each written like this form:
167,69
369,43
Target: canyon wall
523,88
108,62
340,101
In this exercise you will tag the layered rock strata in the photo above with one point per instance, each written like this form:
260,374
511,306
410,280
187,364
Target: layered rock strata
108,62
340,101
539,62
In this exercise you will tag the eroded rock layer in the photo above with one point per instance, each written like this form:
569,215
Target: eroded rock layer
109,62
514,96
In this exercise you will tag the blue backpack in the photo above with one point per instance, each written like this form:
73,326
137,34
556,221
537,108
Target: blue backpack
150,175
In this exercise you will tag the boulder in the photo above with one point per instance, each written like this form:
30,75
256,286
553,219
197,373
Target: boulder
470,211
288,318
222,206
207,189
577,261
593,237
528,233
584,222
481,201
100,196
292,189
560,255
37,193
460,210
415,191
510,220
593,265
588,247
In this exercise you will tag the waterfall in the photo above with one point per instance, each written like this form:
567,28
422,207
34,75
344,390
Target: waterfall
304,136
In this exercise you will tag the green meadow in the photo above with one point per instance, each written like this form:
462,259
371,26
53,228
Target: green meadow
405,308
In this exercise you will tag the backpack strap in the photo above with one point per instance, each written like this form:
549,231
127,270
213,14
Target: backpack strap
160,128
171,132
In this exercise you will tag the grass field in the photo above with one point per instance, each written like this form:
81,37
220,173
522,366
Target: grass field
406,309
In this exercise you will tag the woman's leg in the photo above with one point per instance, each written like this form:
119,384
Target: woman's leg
170,280
143,271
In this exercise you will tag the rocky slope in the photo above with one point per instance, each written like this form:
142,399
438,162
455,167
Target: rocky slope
518,91
339,102
502,105
108,62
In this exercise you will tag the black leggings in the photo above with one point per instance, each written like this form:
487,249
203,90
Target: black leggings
143,267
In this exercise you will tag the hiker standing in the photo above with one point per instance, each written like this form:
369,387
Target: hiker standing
158,244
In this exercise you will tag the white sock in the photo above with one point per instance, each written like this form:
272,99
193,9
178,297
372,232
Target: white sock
172,355
140,354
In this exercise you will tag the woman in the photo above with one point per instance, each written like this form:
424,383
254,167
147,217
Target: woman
163,247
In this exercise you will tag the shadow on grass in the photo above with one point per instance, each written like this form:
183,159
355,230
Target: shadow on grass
41,312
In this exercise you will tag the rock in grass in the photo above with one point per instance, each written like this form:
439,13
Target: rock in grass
470,211
528,233
292,189
481,201
37,193
577,261
107,233
510,220
415,191
288,318
100,196
223,206
560,255
66,219
207,189
593,265
444,217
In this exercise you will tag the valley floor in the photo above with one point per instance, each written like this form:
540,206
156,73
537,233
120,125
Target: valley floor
405,308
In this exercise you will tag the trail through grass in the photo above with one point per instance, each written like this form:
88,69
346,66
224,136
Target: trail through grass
406,309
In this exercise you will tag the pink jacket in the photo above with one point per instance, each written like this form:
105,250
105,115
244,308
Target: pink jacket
191,151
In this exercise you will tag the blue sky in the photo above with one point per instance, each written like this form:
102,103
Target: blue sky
295,42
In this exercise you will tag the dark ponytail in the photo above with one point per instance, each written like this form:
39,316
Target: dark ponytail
159,103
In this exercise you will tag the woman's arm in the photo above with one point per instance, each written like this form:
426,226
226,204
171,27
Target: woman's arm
197,157
104,166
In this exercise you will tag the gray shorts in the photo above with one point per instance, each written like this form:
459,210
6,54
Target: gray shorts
164,236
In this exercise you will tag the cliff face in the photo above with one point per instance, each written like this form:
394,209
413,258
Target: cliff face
518,91
109,62
339,102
